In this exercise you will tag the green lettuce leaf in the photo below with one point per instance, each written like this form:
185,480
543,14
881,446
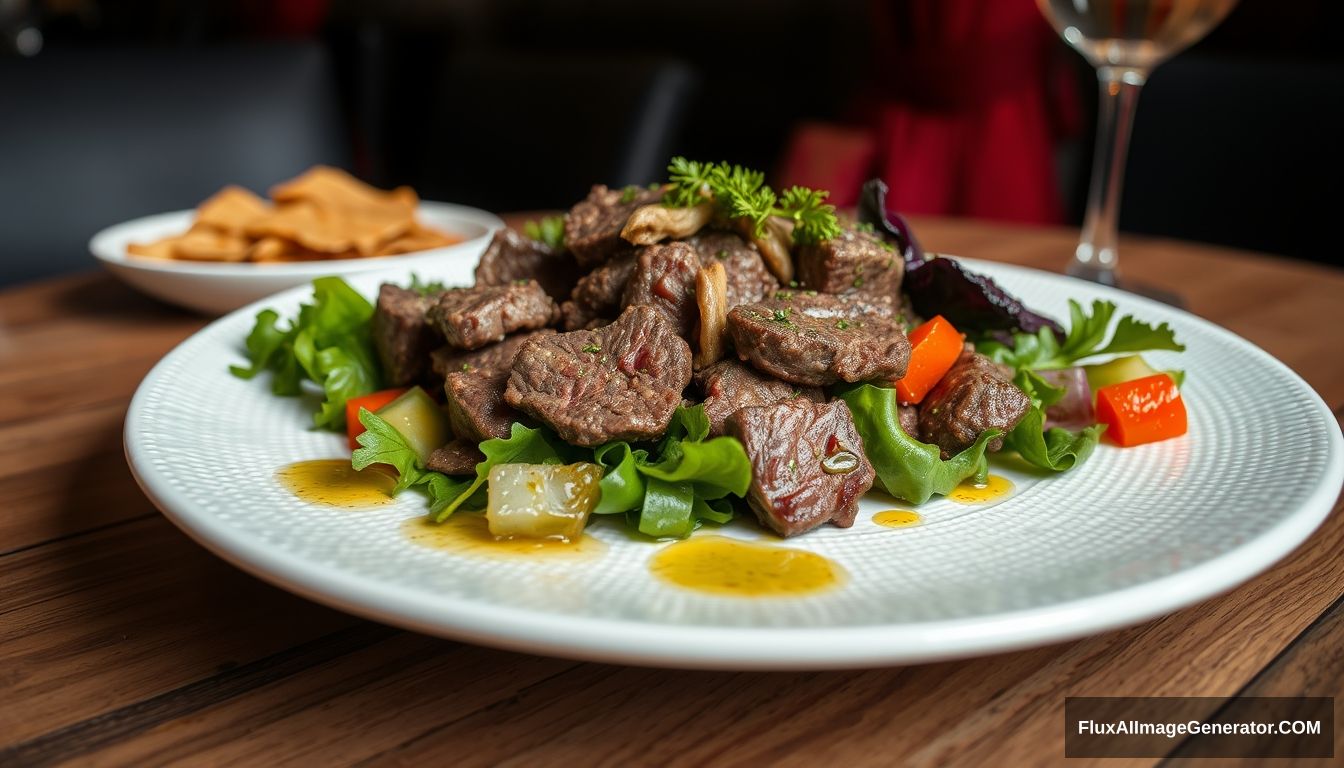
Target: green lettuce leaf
330,343
668,511
622,485
381,443
1086,338
667,496
1056,449
907,468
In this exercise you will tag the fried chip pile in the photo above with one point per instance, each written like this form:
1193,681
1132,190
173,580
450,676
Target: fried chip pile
323,214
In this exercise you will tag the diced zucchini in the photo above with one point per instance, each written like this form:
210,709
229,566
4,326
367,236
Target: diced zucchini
419,419
1123,369
541,501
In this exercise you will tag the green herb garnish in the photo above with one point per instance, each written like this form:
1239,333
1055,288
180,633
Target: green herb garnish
550,230
741,193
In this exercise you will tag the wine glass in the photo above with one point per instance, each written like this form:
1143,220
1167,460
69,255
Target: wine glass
1124,40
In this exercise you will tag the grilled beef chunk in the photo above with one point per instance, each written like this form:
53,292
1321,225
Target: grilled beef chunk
852,261
837,305
749,279
814,343
908,416
512,256
664,278
974,395
728,385
456,458
619,382
402,335
476,407
470,318
593,226
597,296
493,357
807,463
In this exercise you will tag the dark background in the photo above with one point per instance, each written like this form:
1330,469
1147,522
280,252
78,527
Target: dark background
124,109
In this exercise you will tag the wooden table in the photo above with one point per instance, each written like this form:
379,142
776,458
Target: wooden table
122,642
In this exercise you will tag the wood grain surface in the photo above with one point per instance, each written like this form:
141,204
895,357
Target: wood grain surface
124,643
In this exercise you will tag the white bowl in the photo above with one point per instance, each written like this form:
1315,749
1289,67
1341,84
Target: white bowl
218,288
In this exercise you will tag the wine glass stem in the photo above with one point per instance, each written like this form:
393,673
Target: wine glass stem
1095,258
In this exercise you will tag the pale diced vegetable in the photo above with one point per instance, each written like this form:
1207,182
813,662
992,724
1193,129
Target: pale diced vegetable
420,420
1120,369
541,501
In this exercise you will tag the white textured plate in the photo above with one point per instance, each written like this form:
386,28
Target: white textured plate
218,288
1132,534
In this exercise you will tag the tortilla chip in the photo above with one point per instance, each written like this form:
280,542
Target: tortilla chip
269,249
159,249
332,231
325,213
201,245
230,210
328,187
417,238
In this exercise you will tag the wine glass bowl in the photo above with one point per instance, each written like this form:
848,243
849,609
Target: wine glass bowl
1123,40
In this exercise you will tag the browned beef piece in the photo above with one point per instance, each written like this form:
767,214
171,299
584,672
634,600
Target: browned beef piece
853,261
728,385
456,458
402,335
974,395
470,318
749,279
593,226
664,278
815,344
492,357
596,298
837,305
807,463
476,407
512,256
908,415
619,382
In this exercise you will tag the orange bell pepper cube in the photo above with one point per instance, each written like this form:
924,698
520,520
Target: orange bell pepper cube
1142,411
934,347
373,402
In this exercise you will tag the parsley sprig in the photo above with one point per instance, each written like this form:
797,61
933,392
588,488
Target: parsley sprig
550,230
741,193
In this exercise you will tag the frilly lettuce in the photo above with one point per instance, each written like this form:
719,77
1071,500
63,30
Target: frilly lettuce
687,482
907,468
330,342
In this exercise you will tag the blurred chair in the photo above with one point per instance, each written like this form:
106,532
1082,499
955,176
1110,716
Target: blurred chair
93,137
524,131
1241,151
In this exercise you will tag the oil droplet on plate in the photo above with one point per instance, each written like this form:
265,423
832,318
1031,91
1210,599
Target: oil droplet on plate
994,487
897,518
334,483
469,534
724,566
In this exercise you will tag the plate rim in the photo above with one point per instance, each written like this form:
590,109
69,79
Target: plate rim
752,648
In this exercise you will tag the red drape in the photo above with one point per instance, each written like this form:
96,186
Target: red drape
966,103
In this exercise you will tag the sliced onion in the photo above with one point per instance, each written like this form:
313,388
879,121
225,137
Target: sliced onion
774,244
651,224
711,294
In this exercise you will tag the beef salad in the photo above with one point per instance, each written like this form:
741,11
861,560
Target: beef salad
690,351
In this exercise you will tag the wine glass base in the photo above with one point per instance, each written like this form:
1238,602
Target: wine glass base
1092,274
